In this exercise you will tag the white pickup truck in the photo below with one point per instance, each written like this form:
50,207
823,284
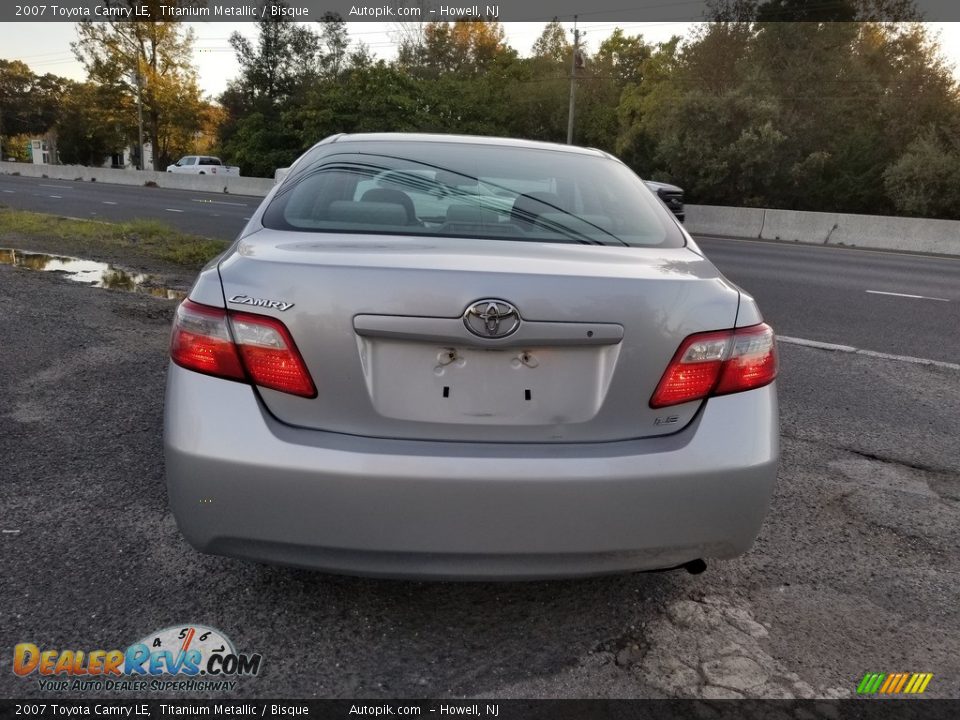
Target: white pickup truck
202,165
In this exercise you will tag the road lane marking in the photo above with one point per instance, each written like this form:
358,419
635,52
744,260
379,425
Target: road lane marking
909,359
219,202
246,218
869,353
172,210
10,191
816,344
62,187
58,197
914,297
109,202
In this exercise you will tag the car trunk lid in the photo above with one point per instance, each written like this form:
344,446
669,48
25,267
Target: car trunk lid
382,323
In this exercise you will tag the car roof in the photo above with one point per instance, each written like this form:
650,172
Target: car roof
466,140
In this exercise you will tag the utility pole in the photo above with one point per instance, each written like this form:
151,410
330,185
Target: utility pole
575,62
139,114
138,79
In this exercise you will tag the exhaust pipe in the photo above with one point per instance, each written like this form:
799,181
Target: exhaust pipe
695,567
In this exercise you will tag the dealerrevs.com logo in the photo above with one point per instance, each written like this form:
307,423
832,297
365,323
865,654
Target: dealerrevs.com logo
177,658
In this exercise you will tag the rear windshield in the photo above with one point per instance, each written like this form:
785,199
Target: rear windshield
479,191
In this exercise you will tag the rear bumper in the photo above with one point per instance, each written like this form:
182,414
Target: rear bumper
243,484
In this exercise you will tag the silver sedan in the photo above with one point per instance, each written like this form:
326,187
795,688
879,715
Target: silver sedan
456,357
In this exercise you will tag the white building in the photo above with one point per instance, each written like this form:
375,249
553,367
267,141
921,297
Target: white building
127,158
43,151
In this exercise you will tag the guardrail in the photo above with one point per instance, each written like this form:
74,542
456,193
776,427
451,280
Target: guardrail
868,231
232,184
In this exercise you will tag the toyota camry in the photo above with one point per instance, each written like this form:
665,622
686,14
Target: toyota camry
453,357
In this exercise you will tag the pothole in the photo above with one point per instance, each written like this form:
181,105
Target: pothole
709,649
883,476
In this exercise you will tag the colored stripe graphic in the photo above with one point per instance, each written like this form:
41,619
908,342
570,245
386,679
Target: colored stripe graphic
894,683
923,679
890,682
901,682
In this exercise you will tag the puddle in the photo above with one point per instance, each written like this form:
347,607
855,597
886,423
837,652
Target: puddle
88,272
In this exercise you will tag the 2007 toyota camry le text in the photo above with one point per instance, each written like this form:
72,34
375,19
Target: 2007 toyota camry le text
453,357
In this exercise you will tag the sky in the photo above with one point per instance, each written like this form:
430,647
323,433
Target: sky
45,47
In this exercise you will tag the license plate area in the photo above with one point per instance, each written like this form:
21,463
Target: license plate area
429,382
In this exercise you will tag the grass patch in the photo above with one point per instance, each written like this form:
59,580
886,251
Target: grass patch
147,237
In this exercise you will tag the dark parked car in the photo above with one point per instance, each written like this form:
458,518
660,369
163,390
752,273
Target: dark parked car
671,195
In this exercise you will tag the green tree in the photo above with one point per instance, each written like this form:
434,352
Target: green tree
28,103
618,63
552,45
375,98
925,179
466,46
334,44
152,60
276,73
92,124
805,115
642,104
285,57
16,83
261,144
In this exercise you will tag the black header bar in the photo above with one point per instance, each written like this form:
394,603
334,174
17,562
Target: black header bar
450,10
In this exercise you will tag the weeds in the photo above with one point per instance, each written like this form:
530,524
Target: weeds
148,237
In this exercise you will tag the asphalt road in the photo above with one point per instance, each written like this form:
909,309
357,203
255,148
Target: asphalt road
886,302
824,294
856,568
215,215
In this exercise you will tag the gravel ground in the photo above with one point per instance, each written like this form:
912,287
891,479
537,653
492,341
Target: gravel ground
856,569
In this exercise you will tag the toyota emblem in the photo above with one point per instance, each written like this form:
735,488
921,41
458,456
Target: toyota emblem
491,318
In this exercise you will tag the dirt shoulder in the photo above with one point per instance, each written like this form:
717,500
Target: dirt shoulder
171,257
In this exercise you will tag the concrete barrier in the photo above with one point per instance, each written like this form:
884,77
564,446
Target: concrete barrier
868,231
806,227
234,185
258,187
733,221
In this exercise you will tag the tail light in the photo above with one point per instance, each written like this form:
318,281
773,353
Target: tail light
718,363
239,346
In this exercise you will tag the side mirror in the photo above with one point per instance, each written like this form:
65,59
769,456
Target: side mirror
279,174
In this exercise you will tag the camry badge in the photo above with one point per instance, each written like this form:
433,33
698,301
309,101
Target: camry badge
492,318
261,302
